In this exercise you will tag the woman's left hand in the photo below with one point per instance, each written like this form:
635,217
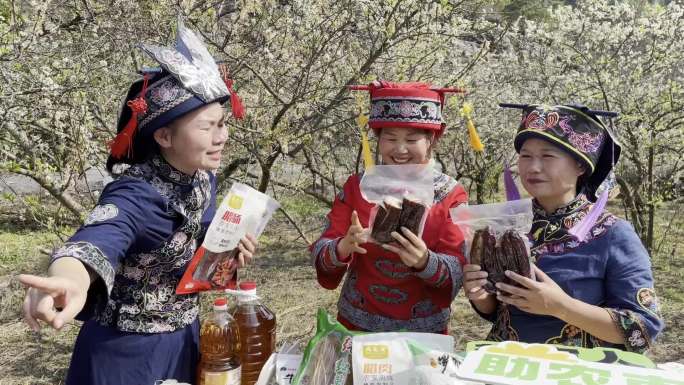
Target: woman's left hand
411,249
543,296
247,247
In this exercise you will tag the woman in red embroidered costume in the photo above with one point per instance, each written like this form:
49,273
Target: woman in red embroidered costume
409,284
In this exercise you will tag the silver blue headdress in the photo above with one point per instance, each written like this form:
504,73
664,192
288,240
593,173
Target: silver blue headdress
188,78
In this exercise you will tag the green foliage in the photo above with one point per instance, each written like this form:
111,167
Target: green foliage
303,207
19,249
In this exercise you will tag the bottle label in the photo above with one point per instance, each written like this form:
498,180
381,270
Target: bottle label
229,377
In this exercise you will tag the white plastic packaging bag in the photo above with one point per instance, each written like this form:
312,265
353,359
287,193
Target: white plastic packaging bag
244,210
386,357
404,359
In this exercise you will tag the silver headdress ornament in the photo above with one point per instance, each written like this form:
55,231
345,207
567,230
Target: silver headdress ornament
191,63
190,78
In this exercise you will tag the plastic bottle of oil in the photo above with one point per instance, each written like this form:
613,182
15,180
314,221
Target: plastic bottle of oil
219,348
257,328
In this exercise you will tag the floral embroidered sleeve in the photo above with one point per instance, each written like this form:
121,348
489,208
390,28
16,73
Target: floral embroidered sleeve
210,211
630,297
106,235
330,267
444,267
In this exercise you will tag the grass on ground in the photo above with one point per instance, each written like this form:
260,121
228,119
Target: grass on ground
288,286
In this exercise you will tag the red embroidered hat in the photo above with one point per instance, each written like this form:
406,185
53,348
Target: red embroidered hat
410,105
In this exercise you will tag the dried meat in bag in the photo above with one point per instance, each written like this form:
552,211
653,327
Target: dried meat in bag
402,194
214,265
496,238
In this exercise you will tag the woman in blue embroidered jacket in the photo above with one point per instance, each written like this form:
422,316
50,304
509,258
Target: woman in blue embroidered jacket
118,273
593,287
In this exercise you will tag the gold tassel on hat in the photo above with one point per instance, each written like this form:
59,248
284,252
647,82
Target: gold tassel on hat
466,113
362,122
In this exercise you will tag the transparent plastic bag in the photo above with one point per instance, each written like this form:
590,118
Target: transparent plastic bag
495,237
402,196
214,266
327,357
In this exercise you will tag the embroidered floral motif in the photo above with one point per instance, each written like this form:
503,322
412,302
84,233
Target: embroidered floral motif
424,309
634,332
92,256
101,213
387,294
570,335
165,92
600,228
550,233
392,269
162,96
585,142
406,110
646,297
142,297
444,184
541,121
166,171
554,227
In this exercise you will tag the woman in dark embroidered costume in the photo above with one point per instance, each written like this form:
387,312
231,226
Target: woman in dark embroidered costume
409,286
118,273
594,282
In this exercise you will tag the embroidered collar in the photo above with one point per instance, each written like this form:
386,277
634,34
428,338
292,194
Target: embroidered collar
167,172
444,184
555,227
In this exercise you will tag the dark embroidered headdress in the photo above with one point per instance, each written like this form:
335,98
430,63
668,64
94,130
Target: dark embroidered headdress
187,79
577,130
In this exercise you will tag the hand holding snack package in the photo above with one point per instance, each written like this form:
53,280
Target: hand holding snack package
496,238
402,195
214,266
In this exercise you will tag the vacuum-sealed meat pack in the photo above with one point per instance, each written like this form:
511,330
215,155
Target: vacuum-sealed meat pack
402,194
496,238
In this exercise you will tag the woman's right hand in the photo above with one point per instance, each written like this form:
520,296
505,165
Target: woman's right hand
55,300
356,235
474,278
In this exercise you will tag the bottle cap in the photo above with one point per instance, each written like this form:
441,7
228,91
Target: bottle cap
248,285
246,291
221,303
